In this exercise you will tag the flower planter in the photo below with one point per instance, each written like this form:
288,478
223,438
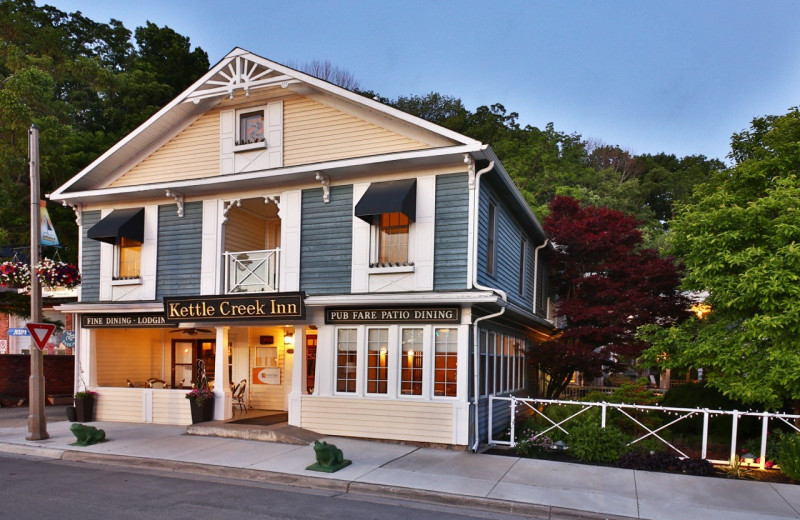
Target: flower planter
202,413
84,409
72,414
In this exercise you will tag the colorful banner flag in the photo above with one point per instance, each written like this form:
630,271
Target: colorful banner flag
48,232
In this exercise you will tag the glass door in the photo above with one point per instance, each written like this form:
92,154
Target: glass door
183,358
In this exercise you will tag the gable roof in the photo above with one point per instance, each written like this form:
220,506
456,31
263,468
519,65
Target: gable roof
239,70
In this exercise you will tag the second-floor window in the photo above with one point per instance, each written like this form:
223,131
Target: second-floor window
392,238
390,208
491,238
250,125
128,254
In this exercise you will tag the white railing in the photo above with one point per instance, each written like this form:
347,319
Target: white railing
581,391
252,271
530,406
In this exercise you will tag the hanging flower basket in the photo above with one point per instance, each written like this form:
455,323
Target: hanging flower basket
57,274
51,274
16,275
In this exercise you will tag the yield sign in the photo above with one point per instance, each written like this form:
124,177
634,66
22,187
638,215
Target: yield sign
41,332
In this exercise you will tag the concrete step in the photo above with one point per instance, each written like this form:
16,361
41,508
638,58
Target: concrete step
280,432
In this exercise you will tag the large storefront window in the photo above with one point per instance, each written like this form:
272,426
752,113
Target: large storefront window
445,362
377,361
346,360
411,362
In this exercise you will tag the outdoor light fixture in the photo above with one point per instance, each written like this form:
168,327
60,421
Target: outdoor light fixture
288,338
560,445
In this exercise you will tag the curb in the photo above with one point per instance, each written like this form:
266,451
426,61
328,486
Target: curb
494,505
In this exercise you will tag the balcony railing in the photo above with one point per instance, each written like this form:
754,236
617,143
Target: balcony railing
251,271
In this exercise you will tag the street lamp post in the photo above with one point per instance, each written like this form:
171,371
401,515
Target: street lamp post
37,424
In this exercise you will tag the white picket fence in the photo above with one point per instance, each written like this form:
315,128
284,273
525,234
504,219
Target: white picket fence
529,406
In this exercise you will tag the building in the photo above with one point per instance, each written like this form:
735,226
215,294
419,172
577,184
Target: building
350,262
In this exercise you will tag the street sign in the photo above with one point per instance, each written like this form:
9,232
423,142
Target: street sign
41,332
18,332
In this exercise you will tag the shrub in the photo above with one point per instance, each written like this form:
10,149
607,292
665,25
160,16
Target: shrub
589,442
649,461
533,446
788,454
698,467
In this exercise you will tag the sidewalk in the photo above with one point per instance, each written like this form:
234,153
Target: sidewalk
535,488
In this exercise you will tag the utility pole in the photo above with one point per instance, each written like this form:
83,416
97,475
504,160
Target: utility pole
37,423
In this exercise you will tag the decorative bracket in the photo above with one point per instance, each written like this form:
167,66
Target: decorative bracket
227,207
326,186
178,199
470,162
275,199
77,208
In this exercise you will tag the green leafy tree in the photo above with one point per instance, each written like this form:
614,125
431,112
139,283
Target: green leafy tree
740,241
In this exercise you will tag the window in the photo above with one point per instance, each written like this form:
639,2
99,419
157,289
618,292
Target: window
491,238
523,248
346,360
392,230
250,129
445,362
128,261
377,361
411,362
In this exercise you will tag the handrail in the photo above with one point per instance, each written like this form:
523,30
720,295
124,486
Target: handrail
682,413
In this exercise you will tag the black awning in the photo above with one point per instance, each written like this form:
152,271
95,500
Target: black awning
128,223
389,197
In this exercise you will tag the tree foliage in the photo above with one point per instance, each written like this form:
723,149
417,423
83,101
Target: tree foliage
740,240
85,86
609,286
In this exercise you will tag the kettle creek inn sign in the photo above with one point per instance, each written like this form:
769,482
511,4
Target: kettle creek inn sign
278,306
393,315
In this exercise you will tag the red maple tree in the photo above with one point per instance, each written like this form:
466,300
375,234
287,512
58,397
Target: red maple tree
607,285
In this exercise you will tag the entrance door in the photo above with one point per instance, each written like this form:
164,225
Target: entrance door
185,353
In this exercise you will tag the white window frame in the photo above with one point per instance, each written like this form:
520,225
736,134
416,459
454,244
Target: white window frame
374,267
238,126
389,363
115,275
425,368
433,355
358,380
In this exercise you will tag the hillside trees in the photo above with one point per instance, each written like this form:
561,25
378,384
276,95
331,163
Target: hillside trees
740,240
609,286
85,86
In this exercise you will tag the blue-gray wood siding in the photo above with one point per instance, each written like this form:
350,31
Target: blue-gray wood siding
180,247
90,259
450,245
326,241
507,254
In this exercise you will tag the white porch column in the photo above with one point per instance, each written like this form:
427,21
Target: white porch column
298,375
222,382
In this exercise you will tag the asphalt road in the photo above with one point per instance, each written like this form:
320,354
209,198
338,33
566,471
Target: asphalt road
33,488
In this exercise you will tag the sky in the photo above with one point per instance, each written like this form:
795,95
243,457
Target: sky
650,76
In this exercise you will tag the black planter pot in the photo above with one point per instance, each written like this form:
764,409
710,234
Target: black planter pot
72,415
84,409
202,413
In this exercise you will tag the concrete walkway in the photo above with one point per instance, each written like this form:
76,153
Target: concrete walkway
534,488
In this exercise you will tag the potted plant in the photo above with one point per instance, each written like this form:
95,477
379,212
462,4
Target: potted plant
84,405
201,402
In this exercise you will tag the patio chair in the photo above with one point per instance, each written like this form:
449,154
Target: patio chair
238,396
154,382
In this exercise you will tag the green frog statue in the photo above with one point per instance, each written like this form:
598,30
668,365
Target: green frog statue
87,435
329,458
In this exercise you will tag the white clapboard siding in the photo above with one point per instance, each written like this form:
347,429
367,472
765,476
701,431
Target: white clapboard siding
192,154
379,419
135,354
313,132
170,407
119,404
245,232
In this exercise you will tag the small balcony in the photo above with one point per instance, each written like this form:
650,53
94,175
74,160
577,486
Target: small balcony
252,271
